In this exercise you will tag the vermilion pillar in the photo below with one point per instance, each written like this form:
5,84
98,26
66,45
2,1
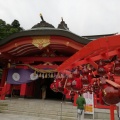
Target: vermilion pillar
112,112
3,83
23,90
3,92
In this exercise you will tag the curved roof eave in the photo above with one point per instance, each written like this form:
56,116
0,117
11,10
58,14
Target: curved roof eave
45,31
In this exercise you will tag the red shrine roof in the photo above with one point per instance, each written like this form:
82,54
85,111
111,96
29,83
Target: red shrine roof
46,32
93,37
41,37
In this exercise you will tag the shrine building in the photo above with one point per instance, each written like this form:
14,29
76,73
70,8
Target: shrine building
28,59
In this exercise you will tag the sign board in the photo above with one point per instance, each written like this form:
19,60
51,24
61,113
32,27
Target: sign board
89,108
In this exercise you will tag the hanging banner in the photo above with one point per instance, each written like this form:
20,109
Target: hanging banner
20,76
89,108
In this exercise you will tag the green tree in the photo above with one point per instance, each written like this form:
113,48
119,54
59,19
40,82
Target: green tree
13,30
2,28
15,24
8,29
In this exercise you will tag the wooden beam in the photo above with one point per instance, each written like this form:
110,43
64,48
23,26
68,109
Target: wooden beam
94,47
114,84
38,66
45,66
7,56
41,59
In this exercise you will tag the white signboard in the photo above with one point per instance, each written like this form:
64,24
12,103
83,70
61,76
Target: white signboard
89,108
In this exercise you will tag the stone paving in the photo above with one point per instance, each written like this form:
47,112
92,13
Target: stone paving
24,109
24,117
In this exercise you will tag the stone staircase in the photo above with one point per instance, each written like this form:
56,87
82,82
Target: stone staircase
3,106
56,110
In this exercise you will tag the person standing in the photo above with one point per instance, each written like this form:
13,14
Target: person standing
44,87
81,102
118,110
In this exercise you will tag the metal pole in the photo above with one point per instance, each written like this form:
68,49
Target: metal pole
61,112
11,92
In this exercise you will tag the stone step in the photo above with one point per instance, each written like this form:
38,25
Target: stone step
41,112
50,109
3,106
53,116
39,106
27,117
45,109
44,117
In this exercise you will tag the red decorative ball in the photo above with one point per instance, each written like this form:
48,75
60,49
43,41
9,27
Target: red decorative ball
111,95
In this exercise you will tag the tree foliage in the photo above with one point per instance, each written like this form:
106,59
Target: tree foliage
8,29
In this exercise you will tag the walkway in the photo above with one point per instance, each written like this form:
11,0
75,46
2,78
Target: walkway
24,117
32,109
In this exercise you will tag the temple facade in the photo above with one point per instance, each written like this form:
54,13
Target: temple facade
29,59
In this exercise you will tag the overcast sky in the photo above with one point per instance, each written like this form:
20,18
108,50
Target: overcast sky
83,17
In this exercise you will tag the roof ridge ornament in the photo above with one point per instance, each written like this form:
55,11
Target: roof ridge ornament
41,17
63,25
43,23
62,19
